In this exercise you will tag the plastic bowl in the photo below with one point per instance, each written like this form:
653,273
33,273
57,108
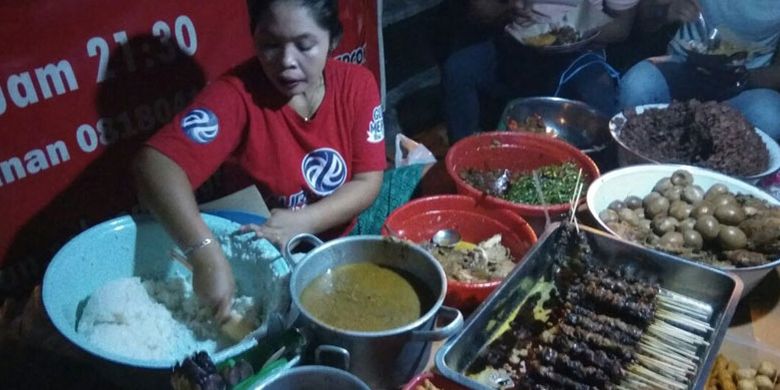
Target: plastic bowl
419,219
139,246
639,180
628,156
517,152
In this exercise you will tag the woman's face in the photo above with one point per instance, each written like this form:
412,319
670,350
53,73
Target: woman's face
292,48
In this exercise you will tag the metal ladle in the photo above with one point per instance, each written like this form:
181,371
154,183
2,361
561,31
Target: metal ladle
446,237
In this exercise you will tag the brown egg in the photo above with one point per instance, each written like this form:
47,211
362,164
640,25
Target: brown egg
686,224
693,194
723,199
682,177
716,189
663,224
662,185
655,206
674,193
692,239
671,240
730,214
708,226
633,202
628,216
616,205
732,237
680,209
608,216
703,208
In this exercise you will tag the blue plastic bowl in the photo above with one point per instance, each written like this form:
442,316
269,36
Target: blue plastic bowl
139,246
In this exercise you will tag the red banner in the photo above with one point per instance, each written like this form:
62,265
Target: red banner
84,82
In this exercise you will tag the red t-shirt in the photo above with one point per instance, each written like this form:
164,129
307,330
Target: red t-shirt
240,117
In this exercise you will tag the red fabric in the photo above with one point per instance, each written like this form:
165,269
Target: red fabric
270,141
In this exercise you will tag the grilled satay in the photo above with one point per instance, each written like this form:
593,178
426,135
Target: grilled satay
575,369
547,374
594,357
641,312
598,341
620,285
602,324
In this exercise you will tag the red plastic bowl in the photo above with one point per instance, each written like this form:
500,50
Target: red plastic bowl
516,151
419,219
436,379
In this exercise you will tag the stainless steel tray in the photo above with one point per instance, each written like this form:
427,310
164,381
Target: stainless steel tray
716,288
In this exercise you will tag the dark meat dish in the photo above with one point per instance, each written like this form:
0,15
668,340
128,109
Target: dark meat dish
710,135
604,329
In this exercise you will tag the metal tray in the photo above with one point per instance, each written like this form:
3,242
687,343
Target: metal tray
716,288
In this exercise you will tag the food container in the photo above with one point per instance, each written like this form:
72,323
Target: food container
314,378
639,180
516,152
715,288
383,359
139,246
748,352
572,121
627,156
421,218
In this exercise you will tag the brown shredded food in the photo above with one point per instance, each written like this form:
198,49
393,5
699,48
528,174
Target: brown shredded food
709,135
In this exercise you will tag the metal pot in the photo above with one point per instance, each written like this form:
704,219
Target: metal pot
384,359
314,378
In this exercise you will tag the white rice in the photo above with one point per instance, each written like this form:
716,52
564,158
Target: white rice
152,320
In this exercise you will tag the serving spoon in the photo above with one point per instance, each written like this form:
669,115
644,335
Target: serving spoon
446,237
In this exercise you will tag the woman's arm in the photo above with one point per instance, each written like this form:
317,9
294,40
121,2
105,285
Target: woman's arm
165,190
336,209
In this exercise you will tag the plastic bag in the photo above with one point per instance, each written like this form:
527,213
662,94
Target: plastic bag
411,152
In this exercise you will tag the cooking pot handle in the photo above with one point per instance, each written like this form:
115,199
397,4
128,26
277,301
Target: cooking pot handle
332,349
455,324
293,242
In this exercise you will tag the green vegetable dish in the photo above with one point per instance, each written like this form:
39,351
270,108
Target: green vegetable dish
558,183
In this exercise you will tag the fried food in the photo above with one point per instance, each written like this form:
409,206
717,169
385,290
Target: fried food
541,40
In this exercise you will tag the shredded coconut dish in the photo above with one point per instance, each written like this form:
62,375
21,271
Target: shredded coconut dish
154,319
466,262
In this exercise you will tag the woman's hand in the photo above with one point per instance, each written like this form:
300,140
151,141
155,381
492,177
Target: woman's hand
212,280
281,226
522,12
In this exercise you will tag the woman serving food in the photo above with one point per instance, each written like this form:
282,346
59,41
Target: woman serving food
305,128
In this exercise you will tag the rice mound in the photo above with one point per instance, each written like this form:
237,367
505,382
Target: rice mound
150,320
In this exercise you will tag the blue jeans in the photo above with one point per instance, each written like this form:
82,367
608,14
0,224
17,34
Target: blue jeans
657,81
480,73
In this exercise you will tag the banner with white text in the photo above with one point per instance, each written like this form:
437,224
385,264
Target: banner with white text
84,82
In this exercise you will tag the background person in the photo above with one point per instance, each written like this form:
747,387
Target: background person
305,128
748,26
488,74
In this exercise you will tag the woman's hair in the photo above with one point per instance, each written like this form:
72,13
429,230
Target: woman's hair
324,12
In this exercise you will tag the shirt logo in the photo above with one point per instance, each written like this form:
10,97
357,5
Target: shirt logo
201,125
376,129
324,170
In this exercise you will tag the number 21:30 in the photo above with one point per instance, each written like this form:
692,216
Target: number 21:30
184,39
